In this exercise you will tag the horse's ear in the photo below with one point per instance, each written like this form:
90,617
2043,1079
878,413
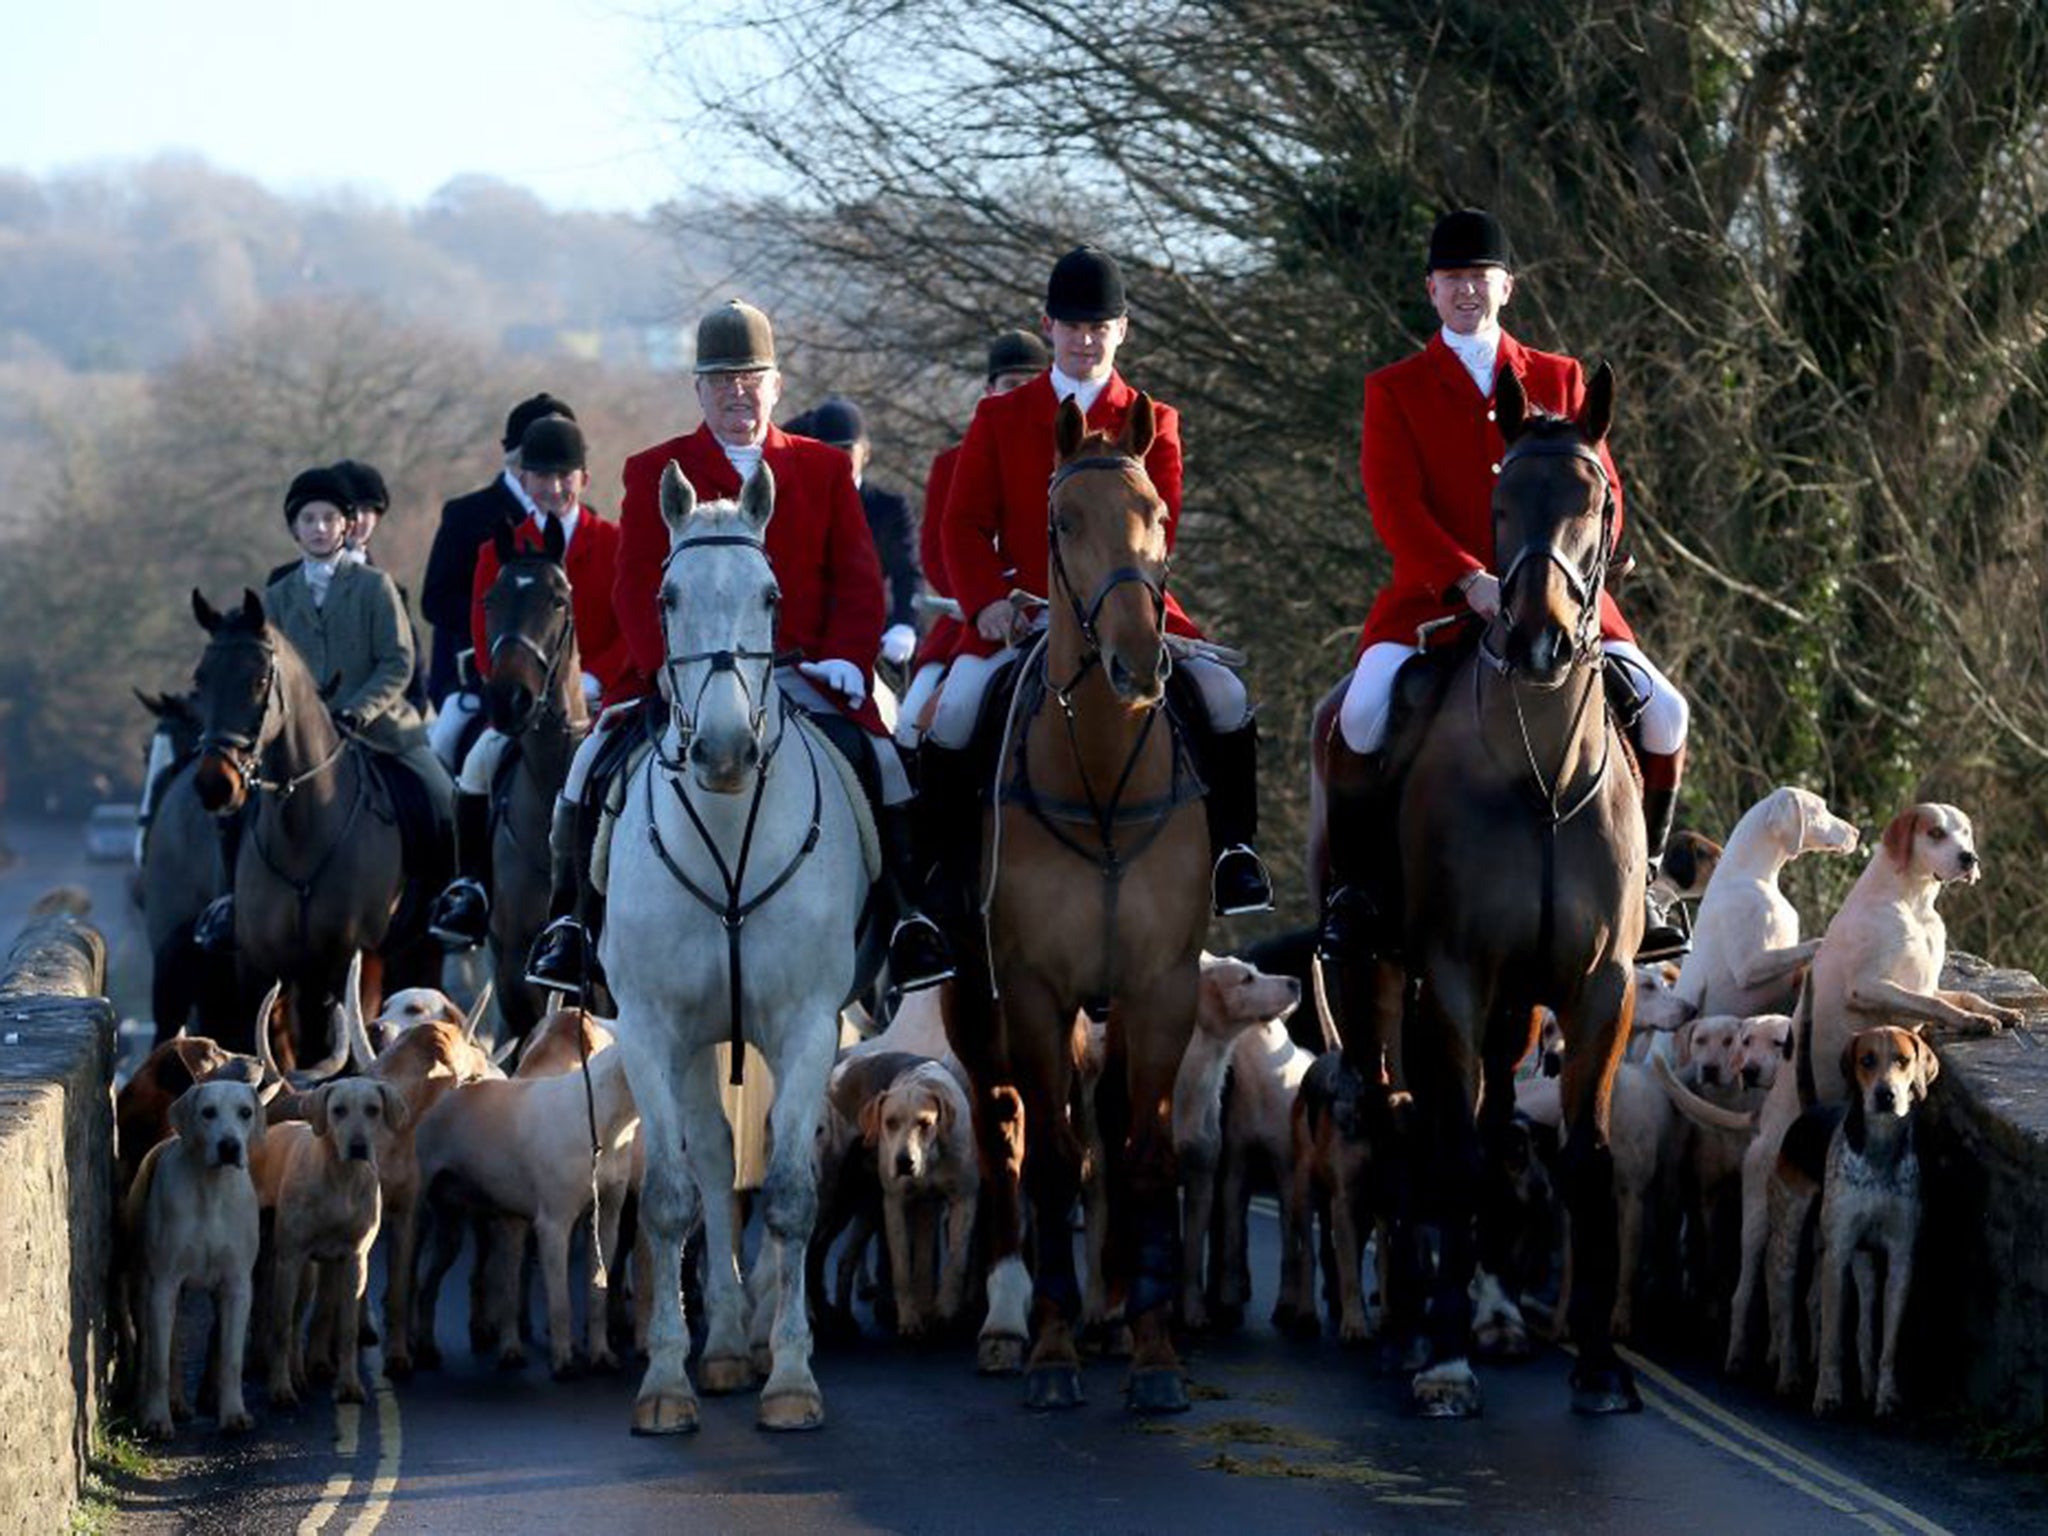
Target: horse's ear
554,542
1068,428
252,608
207,615
1597,414
1139,427
1510,405
330,689
157,705
757,498
678,498
501,542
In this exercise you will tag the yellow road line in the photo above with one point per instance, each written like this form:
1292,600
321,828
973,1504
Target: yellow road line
347,1419
1851,1486
390,1445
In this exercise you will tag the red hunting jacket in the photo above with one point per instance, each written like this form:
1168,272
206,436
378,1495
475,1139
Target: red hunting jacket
996,509
1429,457
592,563
818,546
943,638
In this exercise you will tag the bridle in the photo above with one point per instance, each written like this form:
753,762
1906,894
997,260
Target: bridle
725,659
1085,618
548,658
1585,585
243,750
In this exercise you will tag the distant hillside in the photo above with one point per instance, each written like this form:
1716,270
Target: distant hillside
125,270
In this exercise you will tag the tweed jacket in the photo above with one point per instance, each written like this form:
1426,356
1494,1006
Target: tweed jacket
360,641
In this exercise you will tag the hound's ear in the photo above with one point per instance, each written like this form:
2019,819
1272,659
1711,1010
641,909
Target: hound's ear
1597,414
871,1121
1683,1043
252,608
1787,818
396,1112
1785,1045
678,499
183,1108
502,544
259,1122
1898,837
1927,1066
948,1116
1140,427
757,499
1510,405
316,1108
207,615
554,542
1068,428
1849,1066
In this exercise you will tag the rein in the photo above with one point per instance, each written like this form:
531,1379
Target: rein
240,748
732,910
546,709
1123,575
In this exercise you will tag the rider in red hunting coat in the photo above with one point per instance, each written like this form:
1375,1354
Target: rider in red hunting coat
995,542
1428,458
831,615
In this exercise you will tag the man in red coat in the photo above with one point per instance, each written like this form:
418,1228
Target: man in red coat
832,611
995,542
1015,358
1429,456
554,474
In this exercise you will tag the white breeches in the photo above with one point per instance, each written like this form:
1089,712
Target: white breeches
915,697
445,734
481,766
889,769
1222,690
1369,699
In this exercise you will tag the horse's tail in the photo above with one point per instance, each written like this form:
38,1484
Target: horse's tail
1698,1110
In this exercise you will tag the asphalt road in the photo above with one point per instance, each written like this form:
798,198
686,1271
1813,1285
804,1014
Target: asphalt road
1283,1435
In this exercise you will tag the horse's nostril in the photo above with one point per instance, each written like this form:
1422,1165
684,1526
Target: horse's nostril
697,752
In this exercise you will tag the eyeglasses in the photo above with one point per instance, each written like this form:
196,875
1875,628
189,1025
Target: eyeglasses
736,383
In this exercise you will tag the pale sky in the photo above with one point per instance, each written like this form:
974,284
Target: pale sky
390,97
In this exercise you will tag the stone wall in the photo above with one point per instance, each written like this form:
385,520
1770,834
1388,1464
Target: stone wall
56,1217
1977,1327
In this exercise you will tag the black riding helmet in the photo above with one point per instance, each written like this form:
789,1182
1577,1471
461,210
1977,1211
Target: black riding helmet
322,484
366,491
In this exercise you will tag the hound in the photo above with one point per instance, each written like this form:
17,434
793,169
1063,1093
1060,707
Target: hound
320,1175
191,1219
1881,958
921,1127
1332,1158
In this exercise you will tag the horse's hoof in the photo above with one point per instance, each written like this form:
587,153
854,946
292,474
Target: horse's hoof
722,1375
1447,1392
791,1411
1156,1390
665,1413
1612,1390
1049,1387
350,1392
999,1354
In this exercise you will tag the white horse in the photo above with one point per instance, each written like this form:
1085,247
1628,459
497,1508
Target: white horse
735,807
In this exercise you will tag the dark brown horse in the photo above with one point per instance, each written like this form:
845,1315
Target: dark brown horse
535,697
1522,865
318,873
1099,894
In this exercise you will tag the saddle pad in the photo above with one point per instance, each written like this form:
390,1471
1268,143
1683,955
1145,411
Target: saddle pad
849,783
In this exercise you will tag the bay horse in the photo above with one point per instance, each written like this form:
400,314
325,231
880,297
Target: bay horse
1523,864
737,878
1098,893
179,873
319,872
535,698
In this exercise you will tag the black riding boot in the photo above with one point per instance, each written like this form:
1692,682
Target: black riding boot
1663,938
1362,913
948,825
214,929
565,955
919,956
461,916
1239,882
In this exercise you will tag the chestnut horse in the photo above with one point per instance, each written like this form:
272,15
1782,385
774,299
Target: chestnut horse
1522,859
1098,892
318,874
534,696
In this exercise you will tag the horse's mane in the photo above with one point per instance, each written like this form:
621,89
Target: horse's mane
1547,424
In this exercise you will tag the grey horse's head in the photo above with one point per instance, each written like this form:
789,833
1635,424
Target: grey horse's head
719,606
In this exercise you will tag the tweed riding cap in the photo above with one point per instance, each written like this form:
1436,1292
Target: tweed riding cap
735,338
